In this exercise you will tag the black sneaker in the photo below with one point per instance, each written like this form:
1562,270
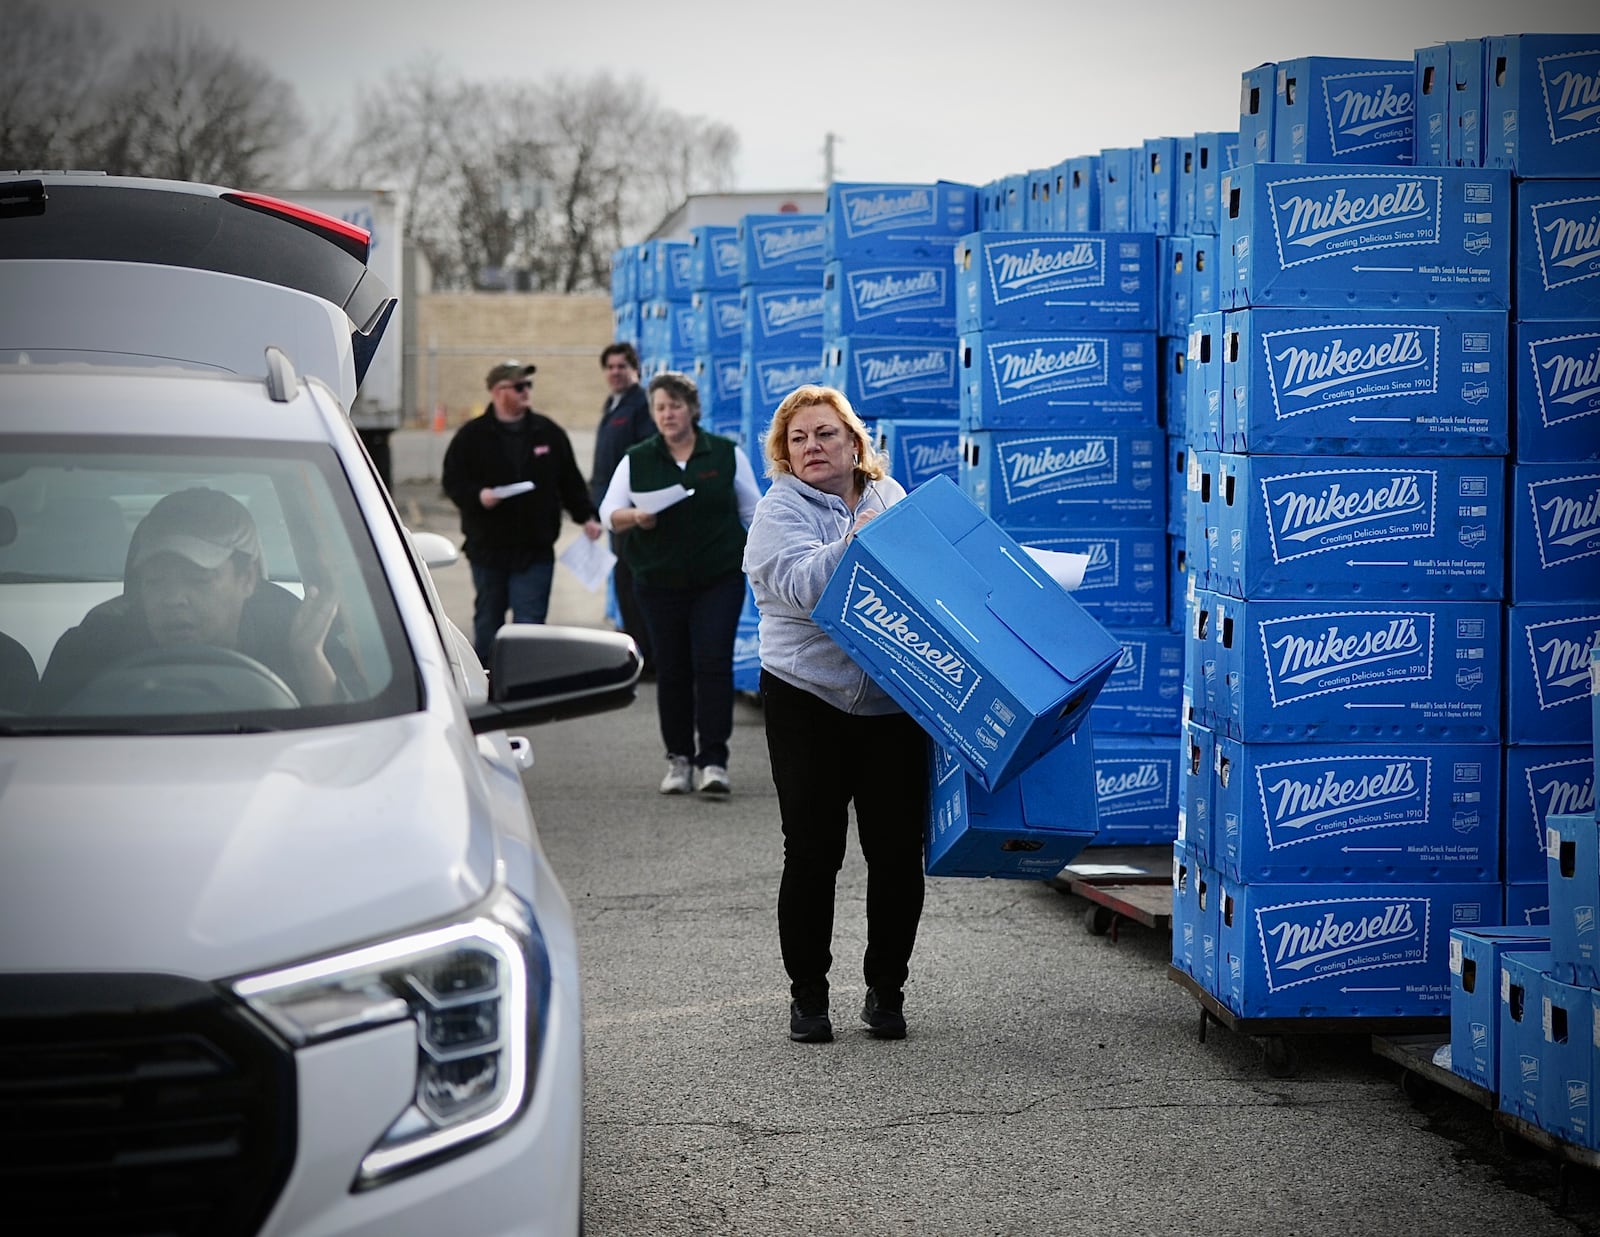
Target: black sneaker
809,1028
882,1016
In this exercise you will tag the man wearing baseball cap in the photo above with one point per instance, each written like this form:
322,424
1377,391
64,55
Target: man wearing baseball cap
511,472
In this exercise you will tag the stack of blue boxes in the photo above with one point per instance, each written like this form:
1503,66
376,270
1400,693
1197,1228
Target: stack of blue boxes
1345,536
666,308
718,326
625,294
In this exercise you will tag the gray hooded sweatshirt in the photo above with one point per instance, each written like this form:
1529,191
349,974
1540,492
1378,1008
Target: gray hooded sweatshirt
796,539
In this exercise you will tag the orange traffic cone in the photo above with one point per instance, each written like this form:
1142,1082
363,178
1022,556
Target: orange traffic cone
439,418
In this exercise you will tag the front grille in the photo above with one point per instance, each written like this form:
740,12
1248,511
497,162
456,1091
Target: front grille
140,1106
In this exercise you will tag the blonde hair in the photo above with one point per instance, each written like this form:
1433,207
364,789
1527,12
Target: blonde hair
869,464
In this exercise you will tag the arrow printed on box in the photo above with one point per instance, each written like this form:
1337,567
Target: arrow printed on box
1392,269
970,635
1371,850
1375,562
1350,704
1398,420
1369,990
1015,562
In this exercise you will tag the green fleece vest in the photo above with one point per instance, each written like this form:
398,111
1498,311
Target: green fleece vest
699,539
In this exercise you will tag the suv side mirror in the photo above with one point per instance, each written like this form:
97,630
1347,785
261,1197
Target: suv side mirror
541,674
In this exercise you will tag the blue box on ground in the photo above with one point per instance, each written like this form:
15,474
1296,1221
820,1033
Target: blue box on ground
1555,532
1430,85
1067,479
1056,281
1540,104
1556,381
1125,583
1332,109
1136,782
886,377
1194,916
1521,989
781,317
1028,380
1475,955
1572,865
952,618
1352,235
714,258
1468,87
1357,811
1323,671
900,299
1144,694
1344,950
767,379
1197,790
1257,112
1541,781
1314,526
1115,187
1083,195
1567,1068
1558,250
1548,646
918,450
664,271
667,328
1366,382
904,221
1028,829
780,249
718,322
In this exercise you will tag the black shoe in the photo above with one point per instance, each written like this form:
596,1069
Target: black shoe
882,1016
809,1028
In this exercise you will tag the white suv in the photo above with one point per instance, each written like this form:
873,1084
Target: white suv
279,949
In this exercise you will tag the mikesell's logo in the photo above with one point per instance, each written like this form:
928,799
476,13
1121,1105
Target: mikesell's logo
1035,466
881,207
927,457
1559,653
1022,370
725,256
1326,366
1366,111
778,378
930,367
1311,654
897,291
1309,941
788,243
1566,515
729,315
907,638
681,260
1562,789
1568,236
1326,216
1019,269
790,312
1566,372
1310,513
730,377
1306,799
1125,785
1128,674
1571,94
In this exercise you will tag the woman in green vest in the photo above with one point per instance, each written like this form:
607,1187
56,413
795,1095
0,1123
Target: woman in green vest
686,562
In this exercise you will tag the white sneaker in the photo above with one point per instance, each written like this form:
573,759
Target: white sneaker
712,780
677,781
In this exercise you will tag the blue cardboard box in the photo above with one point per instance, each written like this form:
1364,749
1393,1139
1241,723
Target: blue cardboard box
1257,112
1083,194
1331,109
1189,909
718,322
1199,520
780,249
720,379
1205,287
767,379
1125,583
1431,88
1315,526
1540,104
886,377
1067,479
1572,864
905,221
1183,201
1028,829
1056,281
1174,391
1355,235
1205,365
1144,694
1061,182
1567,1069
1115,187
952,618
1214,154
1556,383
1158,185
781,317
1177,581
1197,790
1464,140
667,328
1541,781
714,258
919,450
747,653
1366,382
1174,255
624,275
1522,979
1475,955
1323,671
1203,664
1028,380
1136,782
1040,213
664,271
1548,647
1558,250
1594,700
1555,532
1357,811
1011,203
1344,950
625,323
900,299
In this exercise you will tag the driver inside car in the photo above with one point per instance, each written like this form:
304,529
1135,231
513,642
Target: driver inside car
195,577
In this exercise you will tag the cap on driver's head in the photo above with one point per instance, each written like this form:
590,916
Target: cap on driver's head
509,371
207,527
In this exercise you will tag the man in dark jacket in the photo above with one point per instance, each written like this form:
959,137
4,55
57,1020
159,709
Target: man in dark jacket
511,471
624,422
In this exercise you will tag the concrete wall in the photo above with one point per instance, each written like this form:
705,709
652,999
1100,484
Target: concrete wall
460,335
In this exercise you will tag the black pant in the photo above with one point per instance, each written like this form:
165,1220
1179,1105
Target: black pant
633,621
823,759
692,631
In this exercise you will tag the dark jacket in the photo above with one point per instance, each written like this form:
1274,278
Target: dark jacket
522,530
624,426
694,541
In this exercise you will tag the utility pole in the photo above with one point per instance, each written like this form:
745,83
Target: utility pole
829,141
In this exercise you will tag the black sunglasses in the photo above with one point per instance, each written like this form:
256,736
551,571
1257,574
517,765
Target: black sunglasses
525,385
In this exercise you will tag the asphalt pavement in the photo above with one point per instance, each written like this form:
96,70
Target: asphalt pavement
1053,1081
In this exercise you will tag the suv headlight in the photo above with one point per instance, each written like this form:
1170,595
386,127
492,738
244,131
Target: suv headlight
477,991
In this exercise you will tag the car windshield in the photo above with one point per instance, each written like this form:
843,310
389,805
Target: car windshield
173,586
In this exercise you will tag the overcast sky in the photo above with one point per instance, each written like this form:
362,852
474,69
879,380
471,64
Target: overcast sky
916,90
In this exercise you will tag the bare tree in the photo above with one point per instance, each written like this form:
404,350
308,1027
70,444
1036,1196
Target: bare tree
49,64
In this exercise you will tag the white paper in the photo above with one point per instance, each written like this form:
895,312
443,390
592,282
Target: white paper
1065,568
590,561
512,490
657,501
